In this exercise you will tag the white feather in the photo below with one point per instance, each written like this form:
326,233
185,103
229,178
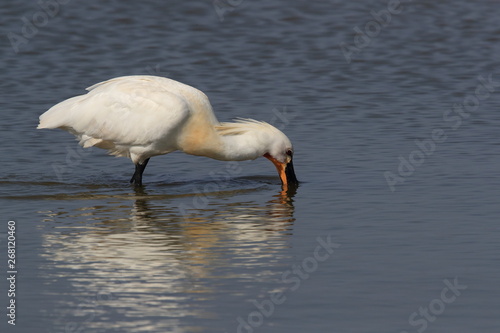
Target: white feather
133,116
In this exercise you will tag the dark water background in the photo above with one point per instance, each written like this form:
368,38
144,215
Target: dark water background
210,246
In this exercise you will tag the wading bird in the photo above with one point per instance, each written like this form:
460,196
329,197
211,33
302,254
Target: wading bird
143,116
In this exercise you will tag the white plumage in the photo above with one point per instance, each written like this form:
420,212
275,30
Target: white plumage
144,116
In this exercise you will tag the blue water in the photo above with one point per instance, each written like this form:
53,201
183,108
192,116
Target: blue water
393,228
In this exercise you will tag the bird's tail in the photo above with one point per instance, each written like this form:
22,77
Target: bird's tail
57,116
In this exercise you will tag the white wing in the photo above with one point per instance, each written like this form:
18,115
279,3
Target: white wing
144,112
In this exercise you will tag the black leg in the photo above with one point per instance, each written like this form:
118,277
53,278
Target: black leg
139,169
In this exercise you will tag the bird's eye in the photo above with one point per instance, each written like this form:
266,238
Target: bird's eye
289,152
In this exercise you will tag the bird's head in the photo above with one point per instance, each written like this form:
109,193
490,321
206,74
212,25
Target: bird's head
247,139
281,154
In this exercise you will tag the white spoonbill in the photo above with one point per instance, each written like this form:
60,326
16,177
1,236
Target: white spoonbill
143,116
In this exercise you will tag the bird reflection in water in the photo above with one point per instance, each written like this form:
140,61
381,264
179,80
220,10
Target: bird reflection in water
154,261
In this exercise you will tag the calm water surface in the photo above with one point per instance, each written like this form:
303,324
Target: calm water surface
381,236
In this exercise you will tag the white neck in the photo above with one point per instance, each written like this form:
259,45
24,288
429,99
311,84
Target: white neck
209,142
246,139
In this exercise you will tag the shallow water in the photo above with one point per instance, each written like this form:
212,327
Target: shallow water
210,246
